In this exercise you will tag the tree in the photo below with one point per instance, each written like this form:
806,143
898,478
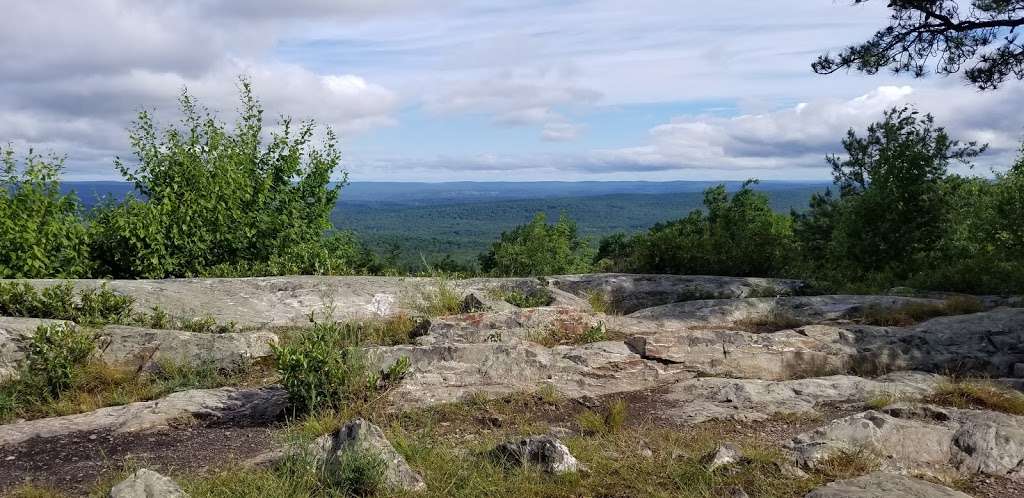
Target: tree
41,230
894,206
538,248
215,197
980,35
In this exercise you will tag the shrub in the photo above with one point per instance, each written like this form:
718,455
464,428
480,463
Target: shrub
321,369
538,248
89,306
41,230
214,197
54,354
532,297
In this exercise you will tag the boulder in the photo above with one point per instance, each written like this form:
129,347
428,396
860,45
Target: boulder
884,485
724,454
358,435
546,452
226,404
145,483
143,348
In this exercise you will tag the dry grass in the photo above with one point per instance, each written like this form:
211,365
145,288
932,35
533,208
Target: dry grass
977,394
911,313
599,302
570,333
772,321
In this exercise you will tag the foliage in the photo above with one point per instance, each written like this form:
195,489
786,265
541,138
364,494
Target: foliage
54,354
738,235
88,306
213,197
323,369
440,300
538,248
980,37
531,297
40,228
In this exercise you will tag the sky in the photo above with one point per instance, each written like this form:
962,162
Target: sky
481,91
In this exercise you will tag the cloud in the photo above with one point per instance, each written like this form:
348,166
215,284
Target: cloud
561,132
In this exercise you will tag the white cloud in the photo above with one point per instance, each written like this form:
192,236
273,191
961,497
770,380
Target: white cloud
561,132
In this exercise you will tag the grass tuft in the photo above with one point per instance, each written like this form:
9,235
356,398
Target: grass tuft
983,395
441,300
610,422
911,313
772,321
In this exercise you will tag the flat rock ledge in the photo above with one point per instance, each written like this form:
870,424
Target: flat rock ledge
225,404
884,485
946,443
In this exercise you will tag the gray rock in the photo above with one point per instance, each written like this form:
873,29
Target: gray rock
884,485
724,454
141,347
359,435
224,404
628,293
145,483
989,442
706,398
546,452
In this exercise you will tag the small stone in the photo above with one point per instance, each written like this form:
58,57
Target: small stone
725,454
736,492
546,452
9,458
360,435
147,484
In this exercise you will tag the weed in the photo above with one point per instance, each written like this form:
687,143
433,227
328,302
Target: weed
442,300
567,334
881,400
984,395
599,302
911,313
611,421
531,298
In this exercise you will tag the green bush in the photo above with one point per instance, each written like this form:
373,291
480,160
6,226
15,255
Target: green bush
94,306
216,197
41,230
324,368
55,353
538,248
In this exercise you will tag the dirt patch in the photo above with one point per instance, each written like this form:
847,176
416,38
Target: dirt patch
75,463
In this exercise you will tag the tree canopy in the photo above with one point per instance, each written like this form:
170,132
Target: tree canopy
979,37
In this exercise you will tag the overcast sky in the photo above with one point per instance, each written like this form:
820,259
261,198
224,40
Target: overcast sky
466,90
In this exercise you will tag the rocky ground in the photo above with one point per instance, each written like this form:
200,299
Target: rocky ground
618,385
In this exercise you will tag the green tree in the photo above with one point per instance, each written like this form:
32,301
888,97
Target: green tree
979,35
893,206
41,230
538,248
213,196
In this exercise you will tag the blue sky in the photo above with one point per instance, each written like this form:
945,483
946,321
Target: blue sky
475,90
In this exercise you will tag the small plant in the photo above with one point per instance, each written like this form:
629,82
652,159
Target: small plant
772,321
599,302
534,297
847,464
911,313
359,473
595,333
984,395
60,302
881,400
572,333
611,421
321,369
444,299
54,354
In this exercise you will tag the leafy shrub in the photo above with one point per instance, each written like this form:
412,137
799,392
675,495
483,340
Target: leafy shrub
41,230
88,306
54,354
214,197
322,369
538,248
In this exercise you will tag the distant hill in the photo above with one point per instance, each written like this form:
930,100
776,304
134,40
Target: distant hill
463,218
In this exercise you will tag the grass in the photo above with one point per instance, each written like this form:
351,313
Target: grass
911,313
441,300
978,394
96,385
599,302
611,421
533,297
878,401
772,321
571,333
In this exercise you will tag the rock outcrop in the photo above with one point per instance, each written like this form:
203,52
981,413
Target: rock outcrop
223,404
884,485
143,348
